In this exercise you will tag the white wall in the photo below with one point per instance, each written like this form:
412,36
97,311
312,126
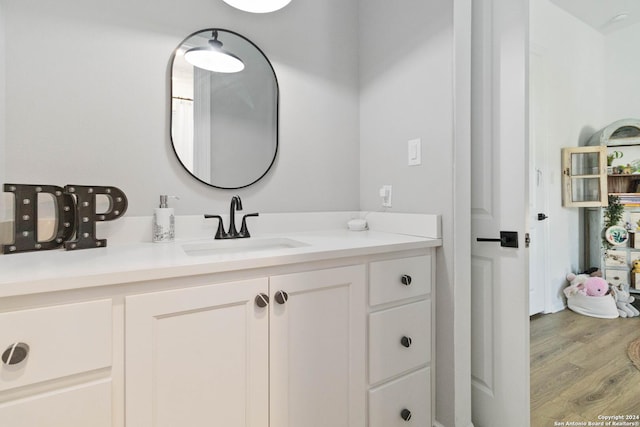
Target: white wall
4,211
91,106
621,64
571,88
407,92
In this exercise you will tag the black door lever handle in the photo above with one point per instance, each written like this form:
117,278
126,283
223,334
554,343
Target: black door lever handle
508,239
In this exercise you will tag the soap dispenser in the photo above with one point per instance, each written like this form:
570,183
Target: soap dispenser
164,229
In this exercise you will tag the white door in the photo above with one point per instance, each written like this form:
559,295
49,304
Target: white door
317,348
198,357
538,206
499,296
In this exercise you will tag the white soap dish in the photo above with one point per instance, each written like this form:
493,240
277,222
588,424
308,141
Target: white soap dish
358,225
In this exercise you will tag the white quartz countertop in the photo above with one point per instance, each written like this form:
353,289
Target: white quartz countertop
29,273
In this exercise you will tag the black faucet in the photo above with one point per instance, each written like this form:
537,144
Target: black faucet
233,233
236,204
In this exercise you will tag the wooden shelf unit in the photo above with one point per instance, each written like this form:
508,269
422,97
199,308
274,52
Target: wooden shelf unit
623,183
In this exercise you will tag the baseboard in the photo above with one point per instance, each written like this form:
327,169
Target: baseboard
555,308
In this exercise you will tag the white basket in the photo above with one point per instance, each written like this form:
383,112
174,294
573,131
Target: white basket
603,307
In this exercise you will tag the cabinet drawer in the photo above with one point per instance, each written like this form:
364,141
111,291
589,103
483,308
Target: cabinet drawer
615,277
410,393
388,354
86,405
386,279
62,340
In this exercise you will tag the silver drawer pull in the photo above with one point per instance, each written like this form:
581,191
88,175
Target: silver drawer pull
15,353
405,279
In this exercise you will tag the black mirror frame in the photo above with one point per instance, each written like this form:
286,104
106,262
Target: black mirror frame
277,107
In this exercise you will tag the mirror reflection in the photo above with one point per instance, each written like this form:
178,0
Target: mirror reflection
224,124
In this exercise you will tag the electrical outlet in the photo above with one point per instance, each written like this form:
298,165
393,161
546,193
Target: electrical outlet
385,193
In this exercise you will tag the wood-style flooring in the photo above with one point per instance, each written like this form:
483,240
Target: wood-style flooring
580,370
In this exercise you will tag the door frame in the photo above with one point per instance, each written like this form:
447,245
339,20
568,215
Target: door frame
539,180
462,19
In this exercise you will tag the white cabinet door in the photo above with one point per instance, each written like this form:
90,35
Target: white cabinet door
317,349
198,357
584,176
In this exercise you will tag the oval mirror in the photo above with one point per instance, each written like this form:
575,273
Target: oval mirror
224,123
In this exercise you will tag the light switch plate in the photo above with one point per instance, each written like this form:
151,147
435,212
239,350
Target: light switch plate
415,152
385,193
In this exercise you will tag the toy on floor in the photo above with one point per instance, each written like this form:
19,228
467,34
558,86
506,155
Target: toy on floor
596,286
587,295
635,271
593,286
576,284
623,300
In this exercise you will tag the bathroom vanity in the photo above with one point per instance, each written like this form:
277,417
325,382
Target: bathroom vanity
305,329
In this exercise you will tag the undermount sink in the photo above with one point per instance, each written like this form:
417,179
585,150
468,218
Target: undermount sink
220,247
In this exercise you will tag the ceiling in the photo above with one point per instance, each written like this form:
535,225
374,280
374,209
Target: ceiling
599,14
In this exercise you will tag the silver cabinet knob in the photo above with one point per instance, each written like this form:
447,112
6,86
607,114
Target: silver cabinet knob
262,300
281,297
405,279
15,353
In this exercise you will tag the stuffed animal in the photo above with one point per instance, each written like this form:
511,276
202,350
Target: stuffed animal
623,300
576,284
585,284
636,266
596,286
601,303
